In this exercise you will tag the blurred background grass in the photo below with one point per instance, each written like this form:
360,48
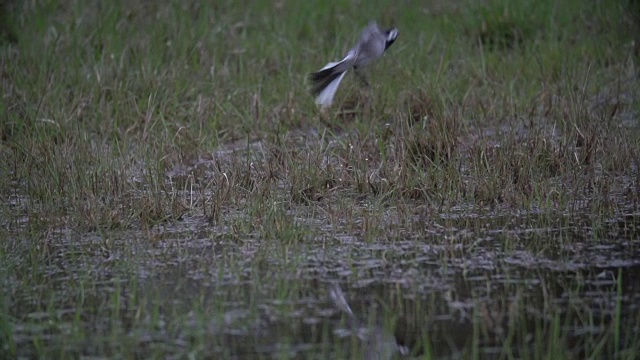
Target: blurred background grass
225,69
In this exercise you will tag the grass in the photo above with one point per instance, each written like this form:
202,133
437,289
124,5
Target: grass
169,189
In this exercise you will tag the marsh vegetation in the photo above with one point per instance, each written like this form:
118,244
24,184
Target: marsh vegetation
168,189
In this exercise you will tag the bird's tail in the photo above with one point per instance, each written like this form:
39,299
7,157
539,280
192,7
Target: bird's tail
325,82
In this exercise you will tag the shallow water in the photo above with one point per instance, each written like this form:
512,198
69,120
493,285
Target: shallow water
502,289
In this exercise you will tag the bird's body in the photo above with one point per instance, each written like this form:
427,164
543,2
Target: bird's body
372,44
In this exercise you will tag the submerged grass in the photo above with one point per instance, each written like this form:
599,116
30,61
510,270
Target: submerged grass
168,188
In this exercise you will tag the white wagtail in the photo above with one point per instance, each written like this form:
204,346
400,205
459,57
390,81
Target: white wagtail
372,44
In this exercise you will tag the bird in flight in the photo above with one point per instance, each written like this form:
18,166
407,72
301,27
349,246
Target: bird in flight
372,44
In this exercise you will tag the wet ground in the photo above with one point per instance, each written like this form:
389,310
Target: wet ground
453,285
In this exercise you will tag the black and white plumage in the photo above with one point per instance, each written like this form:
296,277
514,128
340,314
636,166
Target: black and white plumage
372,44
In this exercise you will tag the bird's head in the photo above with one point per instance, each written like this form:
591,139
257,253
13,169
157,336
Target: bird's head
391,34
